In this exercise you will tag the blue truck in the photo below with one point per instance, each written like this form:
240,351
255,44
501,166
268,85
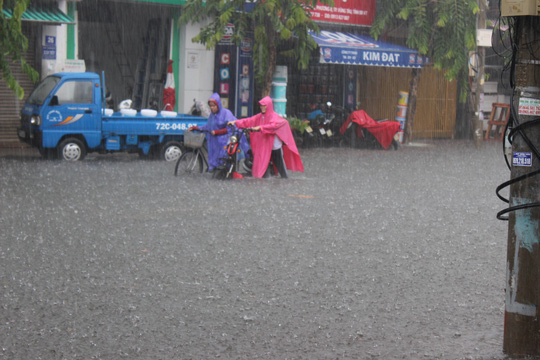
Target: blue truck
65,117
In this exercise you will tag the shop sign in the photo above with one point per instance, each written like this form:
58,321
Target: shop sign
233,73
346,48
352,12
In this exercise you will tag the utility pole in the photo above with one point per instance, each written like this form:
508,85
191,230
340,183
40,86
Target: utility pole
522,325
479,92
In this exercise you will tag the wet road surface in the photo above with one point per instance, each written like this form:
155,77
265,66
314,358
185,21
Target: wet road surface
367,255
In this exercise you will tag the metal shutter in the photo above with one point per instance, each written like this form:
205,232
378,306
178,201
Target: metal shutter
10,106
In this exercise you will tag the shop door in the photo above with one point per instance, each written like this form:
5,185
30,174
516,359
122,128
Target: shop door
129,41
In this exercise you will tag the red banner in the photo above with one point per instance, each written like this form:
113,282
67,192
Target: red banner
352,12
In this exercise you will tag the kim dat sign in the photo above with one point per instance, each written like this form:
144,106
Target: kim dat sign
346,48
392,58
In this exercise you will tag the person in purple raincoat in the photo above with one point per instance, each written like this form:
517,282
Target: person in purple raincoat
218,134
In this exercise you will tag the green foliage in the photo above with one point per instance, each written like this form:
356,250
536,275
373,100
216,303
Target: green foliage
275,23
13,43
297,124
443,30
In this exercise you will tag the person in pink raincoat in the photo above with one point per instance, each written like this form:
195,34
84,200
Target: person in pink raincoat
273,142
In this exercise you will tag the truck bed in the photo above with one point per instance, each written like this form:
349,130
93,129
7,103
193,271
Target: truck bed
121,124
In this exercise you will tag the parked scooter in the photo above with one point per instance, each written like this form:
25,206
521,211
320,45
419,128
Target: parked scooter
325,126
199,109
360,130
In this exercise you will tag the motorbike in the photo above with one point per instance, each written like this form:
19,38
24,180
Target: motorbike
361,131
229,169
199,109
325,126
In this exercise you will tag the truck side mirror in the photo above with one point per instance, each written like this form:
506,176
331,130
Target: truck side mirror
54,101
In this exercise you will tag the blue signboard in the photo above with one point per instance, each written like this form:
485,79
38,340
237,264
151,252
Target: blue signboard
346,48
48,53
50,40
522,159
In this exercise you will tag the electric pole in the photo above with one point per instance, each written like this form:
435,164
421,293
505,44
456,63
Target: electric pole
522,325
479,81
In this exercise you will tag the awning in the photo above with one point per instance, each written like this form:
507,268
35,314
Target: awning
346,48
42,13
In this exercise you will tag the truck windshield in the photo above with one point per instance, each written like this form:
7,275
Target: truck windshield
42,90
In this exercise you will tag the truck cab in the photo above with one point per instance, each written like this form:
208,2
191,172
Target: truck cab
61,104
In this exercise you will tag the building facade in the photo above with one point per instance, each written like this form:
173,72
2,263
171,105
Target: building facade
131,42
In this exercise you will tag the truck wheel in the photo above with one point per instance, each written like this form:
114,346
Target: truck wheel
172,150
71,149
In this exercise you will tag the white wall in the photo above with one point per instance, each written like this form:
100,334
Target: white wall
60,33
196,69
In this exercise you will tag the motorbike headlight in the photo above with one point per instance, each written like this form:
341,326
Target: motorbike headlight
35,120
234,139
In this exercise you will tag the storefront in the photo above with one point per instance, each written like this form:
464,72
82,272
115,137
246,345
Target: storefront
352,70
131,41
334,76
334,81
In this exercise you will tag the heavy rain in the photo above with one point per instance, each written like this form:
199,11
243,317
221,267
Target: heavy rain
367,254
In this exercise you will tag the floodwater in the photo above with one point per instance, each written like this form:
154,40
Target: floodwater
368,254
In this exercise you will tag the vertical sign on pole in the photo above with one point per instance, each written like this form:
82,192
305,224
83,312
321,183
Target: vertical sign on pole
225,71
244,96
349,98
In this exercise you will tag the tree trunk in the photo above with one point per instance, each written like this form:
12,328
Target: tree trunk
411,109
271,62
269,72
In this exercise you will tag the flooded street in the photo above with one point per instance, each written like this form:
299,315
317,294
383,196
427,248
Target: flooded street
367,255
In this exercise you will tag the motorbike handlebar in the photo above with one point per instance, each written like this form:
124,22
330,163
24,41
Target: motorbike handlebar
243,129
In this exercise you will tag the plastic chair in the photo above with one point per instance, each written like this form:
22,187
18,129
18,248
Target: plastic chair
500,114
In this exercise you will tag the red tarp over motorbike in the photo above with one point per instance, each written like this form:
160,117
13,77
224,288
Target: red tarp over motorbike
382,131
169,93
